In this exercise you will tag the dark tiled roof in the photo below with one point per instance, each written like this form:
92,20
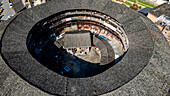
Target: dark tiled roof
145,10
105,49
76,39
17,5
161,9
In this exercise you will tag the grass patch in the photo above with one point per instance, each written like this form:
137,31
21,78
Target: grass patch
132,1
146,3
123,4
142,5
128,3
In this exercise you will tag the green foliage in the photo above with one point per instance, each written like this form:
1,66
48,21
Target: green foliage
146,3
123,4
142,5
132,1
128,3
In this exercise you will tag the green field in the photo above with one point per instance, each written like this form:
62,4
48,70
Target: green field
128,3
140,3
132,1
143,2
123,4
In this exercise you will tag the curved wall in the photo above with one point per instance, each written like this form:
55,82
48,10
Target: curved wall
53,29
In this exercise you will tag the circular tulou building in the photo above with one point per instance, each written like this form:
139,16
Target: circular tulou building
83,47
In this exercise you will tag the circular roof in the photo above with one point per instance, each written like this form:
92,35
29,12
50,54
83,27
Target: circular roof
16,55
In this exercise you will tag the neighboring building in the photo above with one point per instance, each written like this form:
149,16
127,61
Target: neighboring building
144,10
160,15
160,1
27,3
18,5
37,2
157,2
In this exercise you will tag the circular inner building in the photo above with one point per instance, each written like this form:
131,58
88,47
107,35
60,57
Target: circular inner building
78,43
